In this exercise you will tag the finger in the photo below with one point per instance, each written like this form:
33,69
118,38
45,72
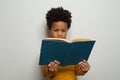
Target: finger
57,62
81,62
55,67
83,66
82,69
85,63
51,66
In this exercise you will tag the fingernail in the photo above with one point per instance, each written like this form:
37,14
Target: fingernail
57,62
84,60
80,62
49,65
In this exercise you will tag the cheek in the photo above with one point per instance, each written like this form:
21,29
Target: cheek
65,34
53,34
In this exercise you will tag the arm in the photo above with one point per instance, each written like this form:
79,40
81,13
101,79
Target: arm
50,69
46,71
82,68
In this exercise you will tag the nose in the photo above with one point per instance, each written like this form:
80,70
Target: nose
59,33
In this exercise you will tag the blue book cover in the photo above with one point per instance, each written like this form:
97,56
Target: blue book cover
67,53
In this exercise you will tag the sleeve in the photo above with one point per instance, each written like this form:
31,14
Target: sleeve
78,71
46,72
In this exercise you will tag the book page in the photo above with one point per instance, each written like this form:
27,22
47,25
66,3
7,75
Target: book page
69,41
65,40
80,39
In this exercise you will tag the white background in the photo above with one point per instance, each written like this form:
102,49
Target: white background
23,26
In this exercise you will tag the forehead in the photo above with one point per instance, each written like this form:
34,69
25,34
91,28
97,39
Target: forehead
59,25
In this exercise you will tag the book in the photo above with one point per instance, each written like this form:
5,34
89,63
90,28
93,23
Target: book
67,52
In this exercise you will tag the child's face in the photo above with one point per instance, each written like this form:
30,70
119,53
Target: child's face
58,30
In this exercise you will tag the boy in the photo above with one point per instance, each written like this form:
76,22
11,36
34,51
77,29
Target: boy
58,22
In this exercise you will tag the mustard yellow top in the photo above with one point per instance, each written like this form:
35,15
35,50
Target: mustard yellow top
63,72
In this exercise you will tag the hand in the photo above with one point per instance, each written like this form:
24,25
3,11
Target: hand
53,65
84,66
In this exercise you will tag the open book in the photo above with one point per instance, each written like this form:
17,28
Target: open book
69,41
67,52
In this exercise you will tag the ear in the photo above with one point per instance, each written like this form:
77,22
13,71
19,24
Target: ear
49,30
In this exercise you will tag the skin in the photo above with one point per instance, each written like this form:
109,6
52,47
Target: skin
59,30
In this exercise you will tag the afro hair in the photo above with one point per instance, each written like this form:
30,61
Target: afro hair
58,14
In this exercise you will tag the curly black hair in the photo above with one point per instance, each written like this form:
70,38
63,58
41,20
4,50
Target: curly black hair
58,14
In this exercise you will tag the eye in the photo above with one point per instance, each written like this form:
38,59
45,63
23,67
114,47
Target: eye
64,30
55,30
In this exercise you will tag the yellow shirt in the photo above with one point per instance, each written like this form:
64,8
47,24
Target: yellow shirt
63,72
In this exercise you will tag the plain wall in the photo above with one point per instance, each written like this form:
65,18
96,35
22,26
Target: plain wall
23,26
